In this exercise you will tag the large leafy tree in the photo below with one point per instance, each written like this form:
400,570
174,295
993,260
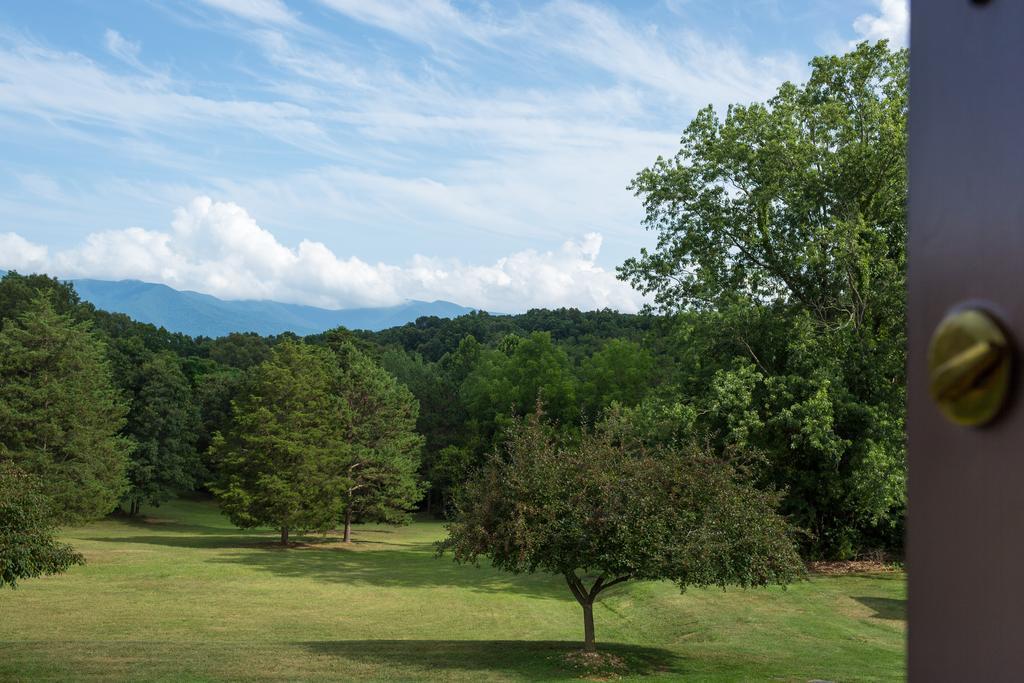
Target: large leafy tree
60,416
164,424
281,462
606,509
781,245
27,546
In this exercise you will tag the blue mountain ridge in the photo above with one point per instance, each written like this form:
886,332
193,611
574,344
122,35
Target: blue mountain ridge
198,314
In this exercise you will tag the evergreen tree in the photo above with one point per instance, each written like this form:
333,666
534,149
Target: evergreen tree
164,423
381,446
60,416
282,461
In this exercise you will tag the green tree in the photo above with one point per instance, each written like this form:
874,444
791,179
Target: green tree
60,416
781,246
164,424
18,292
620,372
605,509
214,388
241,350
282,461
446,470
508,381
27,547
441,420
381,448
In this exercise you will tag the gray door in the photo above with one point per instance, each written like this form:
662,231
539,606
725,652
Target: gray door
966,524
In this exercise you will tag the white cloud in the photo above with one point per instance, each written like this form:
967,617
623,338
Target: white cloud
218,248
17,253
122,48
416,20
892,22
40,185
685,66
59,87
525,131
259,11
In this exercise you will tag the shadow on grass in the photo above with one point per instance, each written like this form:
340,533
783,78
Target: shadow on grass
410,566
413,566
532,660
886,608
200,540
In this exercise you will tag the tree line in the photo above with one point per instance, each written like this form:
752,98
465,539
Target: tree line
98,412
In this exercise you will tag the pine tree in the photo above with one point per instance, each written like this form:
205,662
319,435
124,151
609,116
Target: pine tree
59,412
280,462
382,448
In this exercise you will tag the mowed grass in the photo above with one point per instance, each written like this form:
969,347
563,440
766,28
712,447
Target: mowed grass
183,596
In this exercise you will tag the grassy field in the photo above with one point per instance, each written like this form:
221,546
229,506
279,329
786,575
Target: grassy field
181,595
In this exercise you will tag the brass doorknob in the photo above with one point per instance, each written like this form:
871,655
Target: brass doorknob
969,366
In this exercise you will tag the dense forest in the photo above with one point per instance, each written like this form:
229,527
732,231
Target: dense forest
774,343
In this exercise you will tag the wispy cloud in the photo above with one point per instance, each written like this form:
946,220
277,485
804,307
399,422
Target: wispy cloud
125,50
67,87
260,11
682,64
423,21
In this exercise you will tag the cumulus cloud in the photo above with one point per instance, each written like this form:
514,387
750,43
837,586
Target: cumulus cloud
17,253
892,22
218,248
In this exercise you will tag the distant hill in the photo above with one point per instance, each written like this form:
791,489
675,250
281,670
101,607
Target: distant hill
198,314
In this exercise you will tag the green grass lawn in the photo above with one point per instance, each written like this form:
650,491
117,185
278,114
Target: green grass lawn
181,595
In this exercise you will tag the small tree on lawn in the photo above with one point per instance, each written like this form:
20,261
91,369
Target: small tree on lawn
280,463
603,509
27,548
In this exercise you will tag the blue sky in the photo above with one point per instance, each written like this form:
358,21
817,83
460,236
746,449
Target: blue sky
360,152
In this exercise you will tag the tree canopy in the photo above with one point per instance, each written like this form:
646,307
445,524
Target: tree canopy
164,422
781,245
605,509
381,451
60,416
280,462
27,547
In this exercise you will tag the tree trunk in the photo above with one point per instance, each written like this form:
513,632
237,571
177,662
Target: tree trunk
133,507
589,643
284,535
348,524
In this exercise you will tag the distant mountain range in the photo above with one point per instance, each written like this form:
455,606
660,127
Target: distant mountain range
198,314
